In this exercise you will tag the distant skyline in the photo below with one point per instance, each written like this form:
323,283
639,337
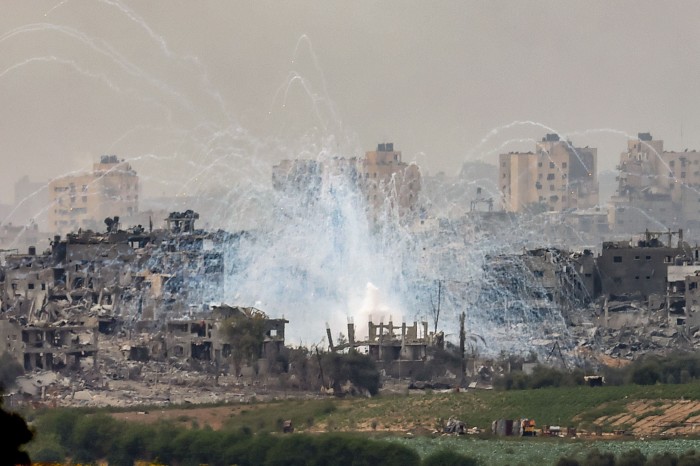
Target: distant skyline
212,93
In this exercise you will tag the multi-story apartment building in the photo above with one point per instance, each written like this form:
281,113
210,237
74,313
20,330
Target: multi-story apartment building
385,177
83,201
656,189
556,177
382,177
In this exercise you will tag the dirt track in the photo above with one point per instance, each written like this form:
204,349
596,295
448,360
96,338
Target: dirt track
657,417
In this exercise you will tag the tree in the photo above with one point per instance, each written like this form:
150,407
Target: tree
598,458
245,333
353,367
304,369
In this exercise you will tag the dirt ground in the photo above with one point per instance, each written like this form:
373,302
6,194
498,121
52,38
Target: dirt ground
646,418
214,416
657,417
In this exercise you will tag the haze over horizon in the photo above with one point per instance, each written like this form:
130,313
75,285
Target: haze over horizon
192,92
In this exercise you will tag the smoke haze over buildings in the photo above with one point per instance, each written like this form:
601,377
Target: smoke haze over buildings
181,89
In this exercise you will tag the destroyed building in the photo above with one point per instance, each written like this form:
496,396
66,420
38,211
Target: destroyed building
203,339
557,176
398,350
538,280
656,188
639,268
100,281
50,346
633,269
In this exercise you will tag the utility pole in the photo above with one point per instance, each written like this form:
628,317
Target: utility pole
320,368
462,338
436,309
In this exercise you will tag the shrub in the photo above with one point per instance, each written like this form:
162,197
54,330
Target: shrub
49,454
542,376
566,461
448,458
663,459
60,422
598,458
689,458
353,367
93,437
632,458
294,450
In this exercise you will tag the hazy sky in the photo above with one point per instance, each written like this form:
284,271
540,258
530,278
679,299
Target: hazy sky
199,93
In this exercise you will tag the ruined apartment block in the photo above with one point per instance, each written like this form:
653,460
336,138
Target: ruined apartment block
655,187
201,339
55,303
49,347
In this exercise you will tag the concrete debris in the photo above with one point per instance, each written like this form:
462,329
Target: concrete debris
118,318
455,426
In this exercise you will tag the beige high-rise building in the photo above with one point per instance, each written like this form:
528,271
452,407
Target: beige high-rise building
556,177
83,201
382,177
385,177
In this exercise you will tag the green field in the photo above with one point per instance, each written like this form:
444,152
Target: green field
409,420
566,406
495,452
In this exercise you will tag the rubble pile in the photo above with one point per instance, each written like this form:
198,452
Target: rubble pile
120,316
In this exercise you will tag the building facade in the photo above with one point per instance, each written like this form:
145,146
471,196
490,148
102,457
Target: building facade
384,180
83,201
657,189
556,177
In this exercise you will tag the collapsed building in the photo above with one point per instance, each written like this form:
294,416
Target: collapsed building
399,351
50,347
148,289
633,297
537,280
204,338
114,300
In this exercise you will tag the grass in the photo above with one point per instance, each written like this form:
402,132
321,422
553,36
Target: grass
387,416
565,406
500,452
268,417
